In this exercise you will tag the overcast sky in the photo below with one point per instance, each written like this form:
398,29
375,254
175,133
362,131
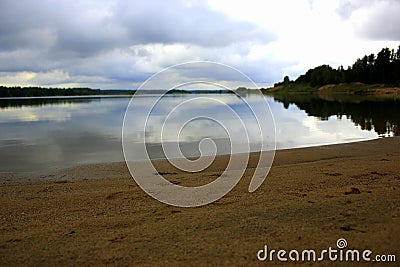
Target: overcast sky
119,44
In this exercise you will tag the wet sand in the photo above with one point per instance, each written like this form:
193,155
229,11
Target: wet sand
97,215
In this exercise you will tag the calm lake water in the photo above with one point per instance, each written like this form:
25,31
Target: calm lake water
48,133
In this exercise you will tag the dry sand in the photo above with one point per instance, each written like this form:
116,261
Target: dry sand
97,215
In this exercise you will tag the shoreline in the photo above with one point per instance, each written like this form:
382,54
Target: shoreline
312,197
10,177
353,89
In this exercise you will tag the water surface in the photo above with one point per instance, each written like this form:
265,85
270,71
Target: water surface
48,133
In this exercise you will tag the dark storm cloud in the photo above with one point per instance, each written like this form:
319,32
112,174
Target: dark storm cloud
167,22
96,38
384,23
84,28
61,28
382,20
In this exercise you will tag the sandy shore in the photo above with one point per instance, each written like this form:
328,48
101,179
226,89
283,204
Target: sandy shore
97,215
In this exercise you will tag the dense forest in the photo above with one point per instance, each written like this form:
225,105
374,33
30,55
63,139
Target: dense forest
384,68
17,91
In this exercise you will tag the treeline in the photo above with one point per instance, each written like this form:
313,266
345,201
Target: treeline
384,68
17,91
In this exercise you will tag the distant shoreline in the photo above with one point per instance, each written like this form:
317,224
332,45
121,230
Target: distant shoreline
62,97
38,92
35,91
359,89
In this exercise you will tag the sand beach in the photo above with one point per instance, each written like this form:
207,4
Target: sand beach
95,215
